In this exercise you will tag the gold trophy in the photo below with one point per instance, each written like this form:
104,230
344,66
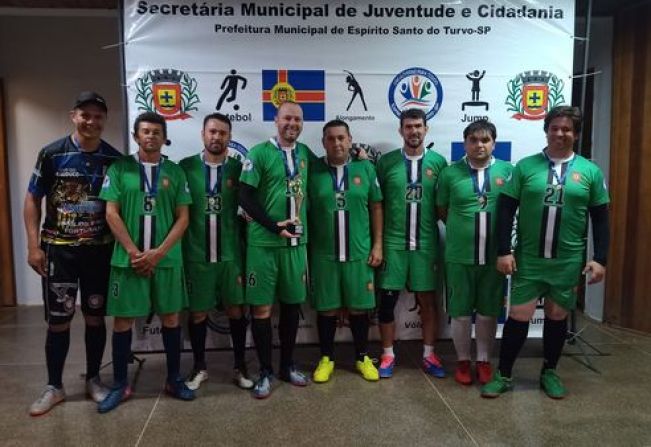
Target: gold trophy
296,190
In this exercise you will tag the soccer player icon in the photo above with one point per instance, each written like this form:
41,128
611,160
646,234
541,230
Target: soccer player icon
353,86
475,77
229,89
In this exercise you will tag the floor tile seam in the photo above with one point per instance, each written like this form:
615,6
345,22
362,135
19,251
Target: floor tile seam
42,363
608,332
151,414
24,326
454,414
636,348
625,330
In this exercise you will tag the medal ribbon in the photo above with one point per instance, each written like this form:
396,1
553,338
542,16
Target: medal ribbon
290,172
410,183
212,191
151,189
338,184
474,175
97,173
560,180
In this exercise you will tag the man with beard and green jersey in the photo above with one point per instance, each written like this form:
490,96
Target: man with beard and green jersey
212,250
408,178
273,190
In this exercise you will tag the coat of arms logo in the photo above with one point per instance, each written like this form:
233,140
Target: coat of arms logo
534,93
170,93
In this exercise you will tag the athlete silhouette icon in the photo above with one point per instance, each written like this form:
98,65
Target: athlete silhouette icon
475,77
229,87
353,86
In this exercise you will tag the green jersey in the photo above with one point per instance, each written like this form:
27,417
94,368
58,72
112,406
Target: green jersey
338,214
148,195
554,199
213,234
280,178
409,189
470,196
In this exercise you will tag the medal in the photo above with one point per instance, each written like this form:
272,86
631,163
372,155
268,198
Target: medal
97,173
212,190
151,188
482,198
560,180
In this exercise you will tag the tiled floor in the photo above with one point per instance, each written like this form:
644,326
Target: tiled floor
612,407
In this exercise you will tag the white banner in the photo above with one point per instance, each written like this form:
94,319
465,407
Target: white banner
362,62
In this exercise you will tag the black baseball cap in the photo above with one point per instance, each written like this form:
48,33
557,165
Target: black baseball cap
90,98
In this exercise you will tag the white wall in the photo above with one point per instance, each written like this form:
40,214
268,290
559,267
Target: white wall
601,59
44,63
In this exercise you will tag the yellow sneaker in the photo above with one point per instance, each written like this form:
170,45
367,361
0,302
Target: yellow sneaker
323,370
367,369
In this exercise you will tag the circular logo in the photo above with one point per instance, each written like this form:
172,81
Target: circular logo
237,150
429,172
95,301
357,180
576,177
499,181
415,88
369,286
166,182
69,304
282,92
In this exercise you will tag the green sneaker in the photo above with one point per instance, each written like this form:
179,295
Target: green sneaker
551,384
497,386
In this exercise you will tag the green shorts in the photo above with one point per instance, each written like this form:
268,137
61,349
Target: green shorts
334,285
553,279
415,270
474,287
131,295
210,284
275,272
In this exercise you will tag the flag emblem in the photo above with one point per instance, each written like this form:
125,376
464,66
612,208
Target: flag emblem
304,87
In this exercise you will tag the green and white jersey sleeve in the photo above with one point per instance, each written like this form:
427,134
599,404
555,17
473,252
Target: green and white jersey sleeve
409,190
338,215
470,196
554,199
213,234
280,177
148,195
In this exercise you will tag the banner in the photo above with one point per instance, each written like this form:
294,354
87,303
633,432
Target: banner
362,62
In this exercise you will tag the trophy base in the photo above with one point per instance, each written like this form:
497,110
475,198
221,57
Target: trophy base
296,229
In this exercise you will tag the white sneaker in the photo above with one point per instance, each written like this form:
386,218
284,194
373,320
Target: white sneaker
196,378
47,400
241,380
96,390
